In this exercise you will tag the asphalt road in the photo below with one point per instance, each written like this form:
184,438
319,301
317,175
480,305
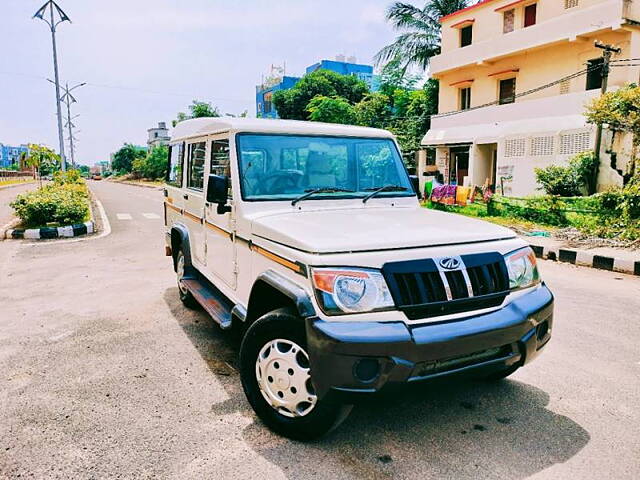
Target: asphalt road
104,374
7,195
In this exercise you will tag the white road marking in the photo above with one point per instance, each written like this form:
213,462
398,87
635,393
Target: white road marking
151,216
123,216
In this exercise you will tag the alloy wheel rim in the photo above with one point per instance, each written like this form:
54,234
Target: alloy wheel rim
283,374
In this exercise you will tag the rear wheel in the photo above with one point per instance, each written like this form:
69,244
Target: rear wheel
277,379
185,295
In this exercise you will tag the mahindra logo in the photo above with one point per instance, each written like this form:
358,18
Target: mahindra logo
449,263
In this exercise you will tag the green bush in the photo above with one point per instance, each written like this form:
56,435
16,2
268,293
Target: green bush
59,202
572,180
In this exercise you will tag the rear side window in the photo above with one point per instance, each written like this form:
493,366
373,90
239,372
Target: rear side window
176,161
195,167
220,158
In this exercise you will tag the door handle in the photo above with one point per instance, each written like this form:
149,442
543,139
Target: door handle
185,196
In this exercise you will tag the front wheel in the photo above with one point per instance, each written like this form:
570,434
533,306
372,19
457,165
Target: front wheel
277,379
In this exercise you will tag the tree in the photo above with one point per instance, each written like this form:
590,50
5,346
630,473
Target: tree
330,110
153,165
374,110
197,109
123,159
292,103
619,111
43,159
420,37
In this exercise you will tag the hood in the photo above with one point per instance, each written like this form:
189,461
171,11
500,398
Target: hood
372,228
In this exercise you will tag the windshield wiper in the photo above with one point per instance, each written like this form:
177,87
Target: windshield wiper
387,188
313,191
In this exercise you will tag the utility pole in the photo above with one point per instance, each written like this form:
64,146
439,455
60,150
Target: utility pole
68,99
607,52
53,23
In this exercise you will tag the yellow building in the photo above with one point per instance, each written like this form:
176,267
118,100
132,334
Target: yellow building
496,51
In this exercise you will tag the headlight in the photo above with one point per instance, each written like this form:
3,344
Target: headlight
352,290
523,268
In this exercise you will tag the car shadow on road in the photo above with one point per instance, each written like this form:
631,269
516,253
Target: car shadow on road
450,428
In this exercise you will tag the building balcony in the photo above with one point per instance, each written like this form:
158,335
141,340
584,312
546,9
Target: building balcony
556,113
569,27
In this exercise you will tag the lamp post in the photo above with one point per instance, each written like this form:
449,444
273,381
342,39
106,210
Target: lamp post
68,99
54,9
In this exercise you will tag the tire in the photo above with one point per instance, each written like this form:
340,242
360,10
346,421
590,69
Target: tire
275,342
500,374
185,295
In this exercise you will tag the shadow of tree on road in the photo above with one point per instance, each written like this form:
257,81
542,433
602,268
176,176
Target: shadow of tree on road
449,428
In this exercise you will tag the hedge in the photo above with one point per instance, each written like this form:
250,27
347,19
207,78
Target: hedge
63,202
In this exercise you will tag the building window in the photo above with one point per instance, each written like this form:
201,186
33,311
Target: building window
576,142
565,86
508,21
542,146
465,98
514,147
570,3
466,35
155,134
530,14
507,91
594,74
267,102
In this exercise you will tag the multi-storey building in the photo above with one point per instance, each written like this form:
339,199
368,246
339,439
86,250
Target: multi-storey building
489,128
278,81
10,156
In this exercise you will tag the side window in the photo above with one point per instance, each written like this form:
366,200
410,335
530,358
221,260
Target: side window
220,158
176,162
195,166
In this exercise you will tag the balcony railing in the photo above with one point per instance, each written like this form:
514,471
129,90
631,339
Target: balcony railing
566,27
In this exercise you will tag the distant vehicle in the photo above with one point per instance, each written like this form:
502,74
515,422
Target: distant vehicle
310,237
95,176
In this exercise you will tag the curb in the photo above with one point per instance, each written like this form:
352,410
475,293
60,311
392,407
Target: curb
587,259
138,184
52,232
2,187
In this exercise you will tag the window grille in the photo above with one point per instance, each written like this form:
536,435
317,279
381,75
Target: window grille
570,3
542,146
572,143
514,147
565,85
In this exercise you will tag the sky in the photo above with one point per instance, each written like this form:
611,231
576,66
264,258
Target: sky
145,60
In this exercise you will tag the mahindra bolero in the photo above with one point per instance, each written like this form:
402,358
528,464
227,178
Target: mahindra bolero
309,238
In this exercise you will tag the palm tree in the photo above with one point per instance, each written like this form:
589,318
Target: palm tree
420,39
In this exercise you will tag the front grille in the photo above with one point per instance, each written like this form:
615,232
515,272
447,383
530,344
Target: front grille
422,290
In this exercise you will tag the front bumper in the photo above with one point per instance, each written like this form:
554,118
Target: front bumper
363,357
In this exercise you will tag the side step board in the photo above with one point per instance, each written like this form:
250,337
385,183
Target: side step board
212,300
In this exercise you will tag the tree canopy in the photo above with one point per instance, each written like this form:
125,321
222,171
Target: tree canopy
123,159
292,103
197,109
43,159
419,28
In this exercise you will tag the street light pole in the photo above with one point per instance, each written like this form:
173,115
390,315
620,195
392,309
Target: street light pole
68,99
51,5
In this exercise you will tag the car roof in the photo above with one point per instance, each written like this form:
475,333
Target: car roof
210,125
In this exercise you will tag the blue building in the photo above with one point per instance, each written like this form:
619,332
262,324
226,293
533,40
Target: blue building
10,156
264,92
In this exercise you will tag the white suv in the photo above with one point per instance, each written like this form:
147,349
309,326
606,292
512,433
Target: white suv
310,237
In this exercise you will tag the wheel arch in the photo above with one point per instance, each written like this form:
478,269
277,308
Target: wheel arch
180,238
272,290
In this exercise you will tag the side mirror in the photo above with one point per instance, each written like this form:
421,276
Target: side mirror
217,192
416,185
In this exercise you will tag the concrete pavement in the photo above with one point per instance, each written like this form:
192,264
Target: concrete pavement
105,374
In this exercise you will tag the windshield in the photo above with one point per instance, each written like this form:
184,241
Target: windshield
284,167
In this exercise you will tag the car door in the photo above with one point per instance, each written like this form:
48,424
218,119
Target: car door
193,198
220,227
